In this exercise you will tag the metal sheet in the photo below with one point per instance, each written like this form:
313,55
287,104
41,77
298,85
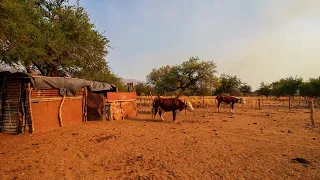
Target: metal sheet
50,93
45,114
12,113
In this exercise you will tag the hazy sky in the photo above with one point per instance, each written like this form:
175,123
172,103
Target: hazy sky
257,40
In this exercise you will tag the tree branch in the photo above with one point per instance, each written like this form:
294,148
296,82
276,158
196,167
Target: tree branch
39,68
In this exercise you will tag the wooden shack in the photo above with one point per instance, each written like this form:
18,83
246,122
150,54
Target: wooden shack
32,103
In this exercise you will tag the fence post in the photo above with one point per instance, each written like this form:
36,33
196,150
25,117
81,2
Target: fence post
312,112
203,101
259,102
289,102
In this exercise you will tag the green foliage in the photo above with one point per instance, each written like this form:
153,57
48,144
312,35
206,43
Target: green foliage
54,38
228,85
245,89
157,78
286,87
143,89
264,89
310,88
192,75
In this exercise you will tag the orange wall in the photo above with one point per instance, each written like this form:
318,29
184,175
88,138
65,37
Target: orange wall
45,114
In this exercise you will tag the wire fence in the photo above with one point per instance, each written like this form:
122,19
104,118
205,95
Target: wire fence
250,101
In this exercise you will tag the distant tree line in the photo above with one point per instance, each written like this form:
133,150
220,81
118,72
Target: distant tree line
198,78
291,86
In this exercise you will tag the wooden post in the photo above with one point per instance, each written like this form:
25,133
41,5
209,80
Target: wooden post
311,112
86,104
23,125
60,111
259,103
29,91
203,101
270,102
256,102
104,112
83,104
289,102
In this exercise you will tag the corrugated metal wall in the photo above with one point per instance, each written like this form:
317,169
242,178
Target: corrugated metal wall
2,99
45,109
12,115
52,94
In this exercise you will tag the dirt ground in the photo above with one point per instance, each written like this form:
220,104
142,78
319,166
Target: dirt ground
273,143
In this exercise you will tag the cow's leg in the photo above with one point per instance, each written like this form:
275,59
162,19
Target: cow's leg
232,106
155,112
174,116
160,114
152,112
219,102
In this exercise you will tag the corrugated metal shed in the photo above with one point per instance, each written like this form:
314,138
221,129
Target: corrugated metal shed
12,113
24,108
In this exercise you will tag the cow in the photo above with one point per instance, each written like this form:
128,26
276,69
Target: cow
229,100
169,104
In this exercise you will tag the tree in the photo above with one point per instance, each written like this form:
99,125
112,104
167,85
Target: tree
54,38
277,89
156,78
228,84
245,89
286,87
143,89
264,89
192,75
310,88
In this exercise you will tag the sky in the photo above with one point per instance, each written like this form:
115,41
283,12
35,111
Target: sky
256,40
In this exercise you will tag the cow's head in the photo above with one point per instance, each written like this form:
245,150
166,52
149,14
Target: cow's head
188,106
241,100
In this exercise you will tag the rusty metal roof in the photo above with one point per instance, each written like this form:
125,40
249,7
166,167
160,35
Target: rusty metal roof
67,86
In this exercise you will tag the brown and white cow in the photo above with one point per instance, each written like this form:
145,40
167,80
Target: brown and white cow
169,104
229,100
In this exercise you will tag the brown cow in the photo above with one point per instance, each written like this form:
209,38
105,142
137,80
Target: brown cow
229,100
169,104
